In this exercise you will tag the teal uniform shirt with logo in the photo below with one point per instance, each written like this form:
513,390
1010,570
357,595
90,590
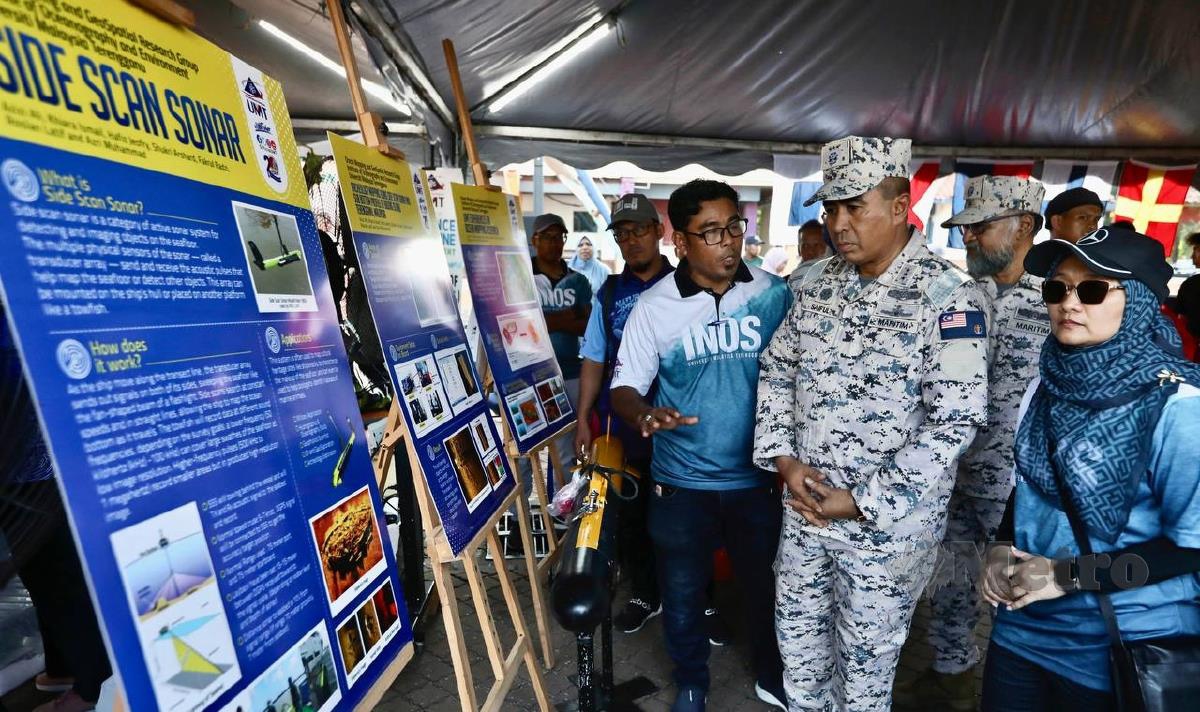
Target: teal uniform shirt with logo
571,292
703,349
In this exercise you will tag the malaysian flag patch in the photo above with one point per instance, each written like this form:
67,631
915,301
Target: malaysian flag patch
962,325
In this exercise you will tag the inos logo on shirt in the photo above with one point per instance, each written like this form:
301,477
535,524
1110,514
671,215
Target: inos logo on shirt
558,298
725,336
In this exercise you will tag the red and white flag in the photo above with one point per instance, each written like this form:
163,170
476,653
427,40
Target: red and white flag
1152,198
924,173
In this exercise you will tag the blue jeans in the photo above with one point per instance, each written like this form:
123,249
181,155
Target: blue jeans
686,526
1013,684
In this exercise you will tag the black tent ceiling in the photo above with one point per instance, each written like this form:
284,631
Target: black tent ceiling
317,97
1040,78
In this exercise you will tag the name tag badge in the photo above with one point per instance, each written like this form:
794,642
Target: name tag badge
821,308
1030,327
893,323
968,324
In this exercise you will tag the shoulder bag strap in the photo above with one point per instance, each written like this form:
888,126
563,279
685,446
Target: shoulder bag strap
1085,547
1080,531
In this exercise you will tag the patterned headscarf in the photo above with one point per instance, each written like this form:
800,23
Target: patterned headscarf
1096,410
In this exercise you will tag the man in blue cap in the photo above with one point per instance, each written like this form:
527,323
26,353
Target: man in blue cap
753,251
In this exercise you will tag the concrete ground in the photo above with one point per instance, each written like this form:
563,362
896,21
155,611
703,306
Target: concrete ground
428,683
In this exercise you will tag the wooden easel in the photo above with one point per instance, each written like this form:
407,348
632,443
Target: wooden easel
479,172
504,664
550,447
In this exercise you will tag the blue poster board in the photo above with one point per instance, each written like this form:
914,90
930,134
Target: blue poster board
163,278
412,300
500,275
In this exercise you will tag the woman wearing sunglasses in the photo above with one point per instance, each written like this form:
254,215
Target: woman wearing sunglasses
1108,454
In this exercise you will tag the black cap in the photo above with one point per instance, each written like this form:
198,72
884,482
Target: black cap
1069,199
546,220
633,207
1112,252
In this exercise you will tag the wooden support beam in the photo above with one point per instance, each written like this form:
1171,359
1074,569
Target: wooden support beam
374,130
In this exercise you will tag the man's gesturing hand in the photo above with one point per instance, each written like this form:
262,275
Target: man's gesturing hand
654,419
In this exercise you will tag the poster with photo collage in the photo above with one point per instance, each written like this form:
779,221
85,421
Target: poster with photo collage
412,301
515,337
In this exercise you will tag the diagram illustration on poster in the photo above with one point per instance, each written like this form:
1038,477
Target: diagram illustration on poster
196,670
168,574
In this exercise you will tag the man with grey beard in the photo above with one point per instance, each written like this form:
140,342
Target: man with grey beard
998,223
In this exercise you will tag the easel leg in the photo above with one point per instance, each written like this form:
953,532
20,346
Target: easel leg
411,555
483,612
540,604
514,607
557,463
454,633
539,486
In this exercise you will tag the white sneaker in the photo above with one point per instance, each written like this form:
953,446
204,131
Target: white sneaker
769,697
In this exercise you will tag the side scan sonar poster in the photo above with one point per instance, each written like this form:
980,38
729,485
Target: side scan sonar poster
500,276
162,275
412,299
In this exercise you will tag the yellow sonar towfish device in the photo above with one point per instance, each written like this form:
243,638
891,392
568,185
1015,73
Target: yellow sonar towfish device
582,589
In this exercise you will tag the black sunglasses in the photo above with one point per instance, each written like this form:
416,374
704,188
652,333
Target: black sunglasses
1089,291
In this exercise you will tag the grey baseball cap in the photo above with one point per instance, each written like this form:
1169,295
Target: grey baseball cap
854,165
989,197
634,207
546,220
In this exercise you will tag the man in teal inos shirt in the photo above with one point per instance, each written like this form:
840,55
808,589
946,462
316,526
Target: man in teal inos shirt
699,332
566,299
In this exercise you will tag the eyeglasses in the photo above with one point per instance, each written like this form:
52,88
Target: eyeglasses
1089,291
623,234
551,234
980,227
714,235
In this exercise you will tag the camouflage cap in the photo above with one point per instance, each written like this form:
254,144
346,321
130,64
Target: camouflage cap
854,165
989,197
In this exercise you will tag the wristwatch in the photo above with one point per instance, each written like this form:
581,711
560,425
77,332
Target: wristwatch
1066,574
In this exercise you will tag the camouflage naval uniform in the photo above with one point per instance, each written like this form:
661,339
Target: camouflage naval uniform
1019,327
859,384
880,386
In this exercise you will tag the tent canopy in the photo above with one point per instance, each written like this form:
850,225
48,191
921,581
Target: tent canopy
727,84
